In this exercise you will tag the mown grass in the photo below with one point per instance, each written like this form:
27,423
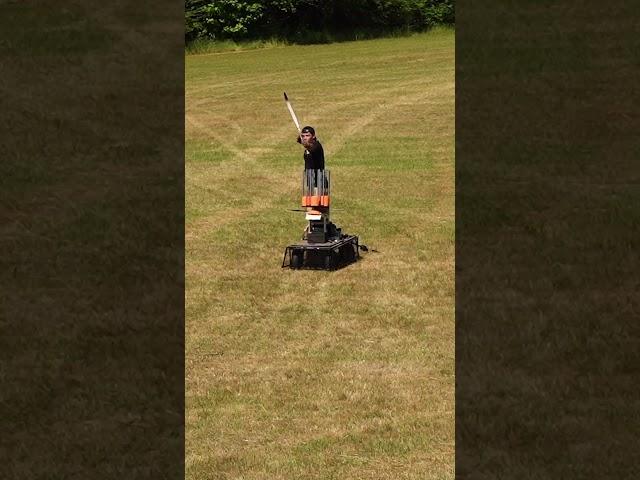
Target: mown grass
313,374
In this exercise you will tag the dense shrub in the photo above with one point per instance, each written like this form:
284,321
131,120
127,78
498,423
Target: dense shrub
310,19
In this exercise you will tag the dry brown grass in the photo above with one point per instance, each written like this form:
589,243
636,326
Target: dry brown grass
306,374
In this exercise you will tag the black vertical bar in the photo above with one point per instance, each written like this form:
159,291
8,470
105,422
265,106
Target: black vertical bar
547,240
92,212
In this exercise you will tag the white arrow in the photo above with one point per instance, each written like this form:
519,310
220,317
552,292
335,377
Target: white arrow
293,114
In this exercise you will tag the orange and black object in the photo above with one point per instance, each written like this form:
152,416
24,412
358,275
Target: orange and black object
323,244
316,189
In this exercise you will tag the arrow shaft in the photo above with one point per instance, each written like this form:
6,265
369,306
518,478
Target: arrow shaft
293,116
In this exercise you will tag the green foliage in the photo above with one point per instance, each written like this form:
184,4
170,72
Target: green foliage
434,12
222,19
311,21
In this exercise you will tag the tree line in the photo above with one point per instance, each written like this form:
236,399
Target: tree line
311,20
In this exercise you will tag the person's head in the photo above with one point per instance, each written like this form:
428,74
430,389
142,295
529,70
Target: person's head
307,135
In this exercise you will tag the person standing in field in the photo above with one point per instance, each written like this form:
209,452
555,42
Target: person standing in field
313,162
313,151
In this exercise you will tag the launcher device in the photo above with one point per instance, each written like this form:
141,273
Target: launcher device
323,245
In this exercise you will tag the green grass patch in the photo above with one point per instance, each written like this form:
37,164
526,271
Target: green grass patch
201,46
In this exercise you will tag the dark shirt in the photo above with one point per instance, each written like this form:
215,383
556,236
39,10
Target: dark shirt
314,157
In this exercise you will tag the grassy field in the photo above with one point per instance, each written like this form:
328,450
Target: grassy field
313,374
